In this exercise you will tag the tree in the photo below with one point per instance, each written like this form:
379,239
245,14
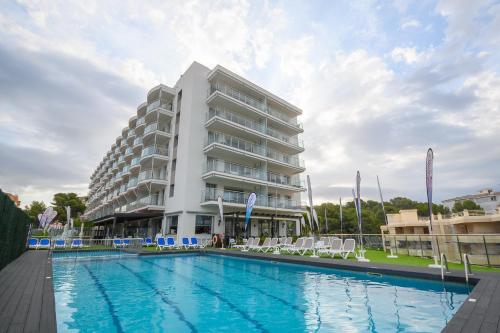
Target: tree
61,200
460,206
35,208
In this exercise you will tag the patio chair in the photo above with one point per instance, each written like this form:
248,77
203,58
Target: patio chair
203,243
334,248
77,242
286,242
59,243
194,243
348,248
117,242
33,243
232,242
126,242
160,243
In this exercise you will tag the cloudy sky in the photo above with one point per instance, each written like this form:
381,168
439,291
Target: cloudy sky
379,83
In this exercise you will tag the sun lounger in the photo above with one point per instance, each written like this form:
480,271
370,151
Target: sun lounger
286,242
44,243
272,245
334,248
170,243
265,244
117,242
242,246
184,242
348,248
126,242
160,243
194,242
33,243
59,243
77,242
295,247
148,242
308,246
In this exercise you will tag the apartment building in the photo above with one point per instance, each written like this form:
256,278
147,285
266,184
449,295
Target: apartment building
487,199
213,134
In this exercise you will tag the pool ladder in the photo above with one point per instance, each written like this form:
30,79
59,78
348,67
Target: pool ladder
444,264
468,270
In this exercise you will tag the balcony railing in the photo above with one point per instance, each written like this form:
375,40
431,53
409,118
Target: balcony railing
232,141
151,174
157,127
156,104
137,141
236,197
135,161
128,151
132,182
131,133
252,101
121,159
235,169
140,121
243,121
125,170
154,150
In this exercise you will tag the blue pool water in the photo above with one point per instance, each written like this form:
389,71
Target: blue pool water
211,293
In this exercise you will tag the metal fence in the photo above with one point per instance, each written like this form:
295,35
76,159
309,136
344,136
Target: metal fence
482,249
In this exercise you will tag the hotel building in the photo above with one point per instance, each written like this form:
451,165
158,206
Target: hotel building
487,199
213,134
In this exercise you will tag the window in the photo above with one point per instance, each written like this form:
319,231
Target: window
172,222
171,194
203,224
493,198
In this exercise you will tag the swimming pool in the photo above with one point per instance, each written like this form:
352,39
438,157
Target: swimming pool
213,293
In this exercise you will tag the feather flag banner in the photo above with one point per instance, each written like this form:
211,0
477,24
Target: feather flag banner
250,203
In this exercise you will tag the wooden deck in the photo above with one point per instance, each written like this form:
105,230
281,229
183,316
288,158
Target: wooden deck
27,295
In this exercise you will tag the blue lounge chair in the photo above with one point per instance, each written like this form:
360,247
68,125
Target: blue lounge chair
77,242
185,242
44,243
117,242
194,242
148,242
59,243
126,242
160,243
33,243
170,242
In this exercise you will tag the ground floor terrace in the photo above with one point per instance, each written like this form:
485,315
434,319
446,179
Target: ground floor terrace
28,303
203,224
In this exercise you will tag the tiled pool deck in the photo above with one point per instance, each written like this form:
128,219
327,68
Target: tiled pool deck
27,296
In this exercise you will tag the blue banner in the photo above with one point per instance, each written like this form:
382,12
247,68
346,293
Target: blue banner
250,203
428,183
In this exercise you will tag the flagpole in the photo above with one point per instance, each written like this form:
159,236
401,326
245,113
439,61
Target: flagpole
361,257
341,231
392,255
429,175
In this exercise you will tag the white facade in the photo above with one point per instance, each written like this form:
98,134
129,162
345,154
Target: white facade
213,134
488,199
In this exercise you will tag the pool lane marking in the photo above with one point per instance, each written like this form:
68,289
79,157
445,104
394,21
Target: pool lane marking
102,290
215,294
238,282
163,297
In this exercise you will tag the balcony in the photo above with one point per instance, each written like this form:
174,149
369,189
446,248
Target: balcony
128,151
158,105
154,150
157,127
143,202
147,175
140,121
134,163
240,198
254,103
246,146
132,182
235,119
235,169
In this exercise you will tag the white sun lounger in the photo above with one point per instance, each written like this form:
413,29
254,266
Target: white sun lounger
296,247
286,243
308,246
348,248
334,248
244,245
265,244
272,245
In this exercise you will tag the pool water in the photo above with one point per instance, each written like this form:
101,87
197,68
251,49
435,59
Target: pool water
212,293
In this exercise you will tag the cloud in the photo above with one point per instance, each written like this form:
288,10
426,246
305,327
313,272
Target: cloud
408,55
412,23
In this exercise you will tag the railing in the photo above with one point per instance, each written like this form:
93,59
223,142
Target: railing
137,141
156,127
156,104
232,141
151,174
252,101
288,159
248,123
132,182
482,249
128,151
125,169
284,180
121,159
154,150
235,169
131,133
140,121
235,197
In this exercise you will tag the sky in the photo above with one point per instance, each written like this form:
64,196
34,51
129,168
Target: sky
379,82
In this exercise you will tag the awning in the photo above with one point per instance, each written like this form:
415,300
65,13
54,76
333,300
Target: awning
125,217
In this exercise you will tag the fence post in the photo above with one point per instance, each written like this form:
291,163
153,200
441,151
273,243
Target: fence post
407,245
421,247
437,245
459,249
486,251
396,243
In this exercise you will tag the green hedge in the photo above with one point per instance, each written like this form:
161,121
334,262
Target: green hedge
14,224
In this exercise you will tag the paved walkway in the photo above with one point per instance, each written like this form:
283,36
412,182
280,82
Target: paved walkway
27,295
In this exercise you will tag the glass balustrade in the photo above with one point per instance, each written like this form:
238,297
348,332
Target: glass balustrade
157,127
237,197
154,150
